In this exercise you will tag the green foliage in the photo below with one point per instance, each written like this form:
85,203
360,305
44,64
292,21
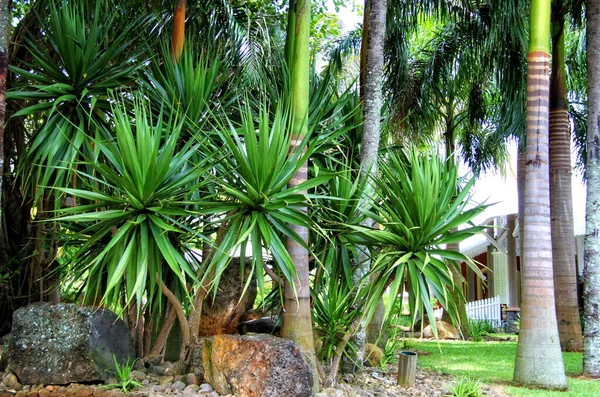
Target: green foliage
419,202
80,60
466,387
481,328
123,374
252,191
134,213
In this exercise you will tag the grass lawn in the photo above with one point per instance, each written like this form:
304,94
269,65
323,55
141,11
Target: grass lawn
493,362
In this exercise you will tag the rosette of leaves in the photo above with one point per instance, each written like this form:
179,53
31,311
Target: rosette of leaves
421,205
81,57
255,168
136,225
195,85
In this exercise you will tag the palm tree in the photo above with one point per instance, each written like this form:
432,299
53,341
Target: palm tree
297,320
561,201
539,359
591,292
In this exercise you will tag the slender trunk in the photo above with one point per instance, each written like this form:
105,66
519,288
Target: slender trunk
363,51
373,101
591,274
4,35
539,360
371,80
561,201
297,321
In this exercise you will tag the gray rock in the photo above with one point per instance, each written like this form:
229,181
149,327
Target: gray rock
156,369
138,375
65,343
178,385
213,394
205,387
190,389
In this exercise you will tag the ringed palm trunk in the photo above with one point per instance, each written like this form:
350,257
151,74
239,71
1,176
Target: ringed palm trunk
539,360
297,321
591,290
561,201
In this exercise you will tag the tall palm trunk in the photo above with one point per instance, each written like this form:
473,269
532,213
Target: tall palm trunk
591,275
371,81
297,321
539,360
561,201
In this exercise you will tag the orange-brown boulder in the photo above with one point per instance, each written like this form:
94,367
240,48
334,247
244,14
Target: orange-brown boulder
255,365
445,331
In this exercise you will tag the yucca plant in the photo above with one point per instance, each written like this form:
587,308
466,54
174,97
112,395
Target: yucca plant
253,175
334,291
79,61
196,85
417,208
136,217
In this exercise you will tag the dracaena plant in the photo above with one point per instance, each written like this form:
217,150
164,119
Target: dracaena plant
195,84
335,298
421,205
135,221
81,57
257,165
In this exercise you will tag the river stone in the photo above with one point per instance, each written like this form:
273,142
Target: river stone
255,365
58,343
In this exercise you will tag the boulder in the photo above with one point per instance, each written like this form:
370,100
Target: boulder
374,355
255,365
58,343
445,331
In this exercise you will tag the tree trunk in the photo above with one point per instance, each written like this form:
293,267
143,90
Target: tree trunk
4,35
539,359
561,200
591,274
297,321
371,80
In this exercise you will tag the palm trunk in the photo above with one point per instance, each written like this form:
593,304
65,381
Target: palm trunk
591,275
371,80
297,321
539,360
561,201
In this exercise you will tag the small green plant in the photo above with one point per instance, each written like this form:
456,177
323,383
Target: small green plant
481,328
123,374
466,387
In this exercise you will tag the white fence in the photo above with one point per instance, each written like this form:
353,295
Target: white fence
486,309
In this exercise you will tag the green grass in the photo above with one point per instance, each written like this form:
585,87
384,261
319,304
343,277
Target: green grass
493,362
